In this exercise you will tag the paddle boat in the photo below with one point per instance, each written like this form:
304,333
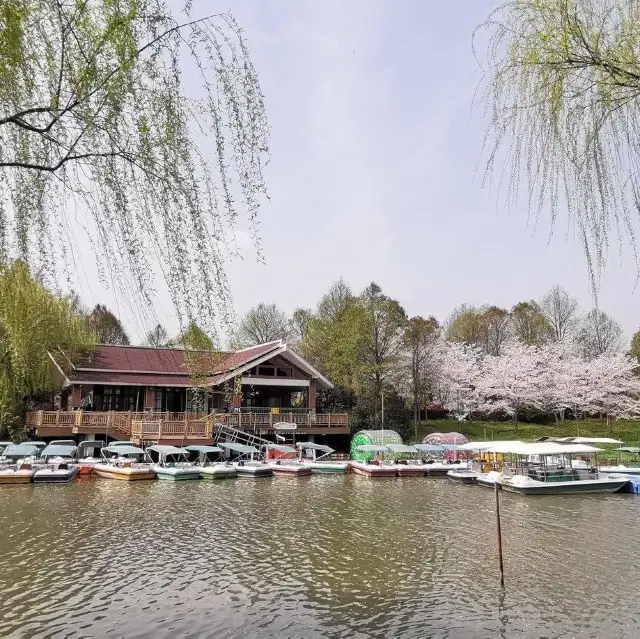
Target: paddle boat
376,467
463,475
550,468
125,462
308,456
3,445
58,463
172,463
407,465
86,458
487,463
16,463
283,460
247,461
209,462
434,461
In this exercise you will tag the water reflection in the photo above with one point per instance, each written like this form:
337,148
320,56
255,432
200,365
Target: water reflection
322,556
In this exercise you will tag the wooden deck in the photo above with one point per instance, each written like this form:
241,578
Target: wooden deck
187,428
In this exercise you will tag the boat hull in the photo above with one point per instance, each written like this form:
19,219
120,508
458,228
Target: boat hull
213,472
16,477
176,474
623,470
566,488
326,468
290,470
123,474
254,472
409,471
464,477
441,470
46,476
373,471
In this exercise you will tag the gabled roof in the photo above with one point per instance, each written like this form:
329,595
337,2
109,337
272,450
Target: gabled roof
114,365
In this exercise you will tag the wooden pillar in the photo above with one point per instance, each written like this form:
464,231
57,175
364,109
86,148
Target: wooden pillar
76,397
312,394
236,400
148,398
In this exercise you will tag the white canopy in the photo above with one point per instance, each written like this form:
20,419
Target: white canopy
487,445
542,448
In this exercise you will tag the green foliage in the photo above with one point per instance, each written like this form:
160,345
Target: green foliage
105,327
635,345
261,324
98,132
561,90
530,325
33,322
193,338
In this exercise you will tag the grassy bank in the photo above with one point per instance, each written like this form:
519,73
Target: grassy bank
627,431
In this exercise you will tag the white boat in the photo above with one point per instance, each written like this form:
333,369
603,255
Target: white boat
247,461
124,462
308,455
16,463
463,475
171,462
620,467
283,461
57,463
432,457
550,468
209,462
490,479
405,459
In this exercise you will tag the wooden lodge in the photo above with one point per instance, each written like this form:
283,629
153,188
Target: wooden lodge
175,396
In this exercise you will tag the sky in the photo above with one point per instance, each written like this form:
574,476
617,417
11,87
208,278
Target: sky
373,175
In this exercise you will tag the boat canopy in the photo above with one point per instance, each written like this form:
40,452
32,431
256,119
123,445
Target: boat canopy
402,448
63,442
123,450
59,450
168,450
5,444
580,440
489,446
122,443
372,448
238,448
203,449
281,448
624,449
314,446
430,448
37,443
90,443
20,450
542,448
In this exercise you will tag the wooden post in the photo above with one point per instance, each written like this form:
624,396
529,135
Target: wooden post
329,421
495,488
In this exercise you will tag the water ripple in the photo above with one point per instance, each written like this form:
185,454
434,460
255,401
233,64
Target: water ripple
325,557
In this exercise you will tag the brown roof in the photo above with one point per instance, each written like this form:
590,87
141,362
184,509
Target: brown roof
145,366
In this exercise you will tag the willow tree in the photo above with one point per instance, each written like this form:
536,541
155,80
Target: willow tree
33,321
142,126
562,95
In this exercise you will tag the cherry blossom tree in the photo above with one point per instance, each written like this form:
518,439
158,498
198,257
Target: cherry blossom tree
459,380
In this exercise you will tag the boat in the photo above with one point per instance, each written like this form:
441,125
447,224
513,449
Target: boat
376,467
86,459
3,445
463,475
308,455
550,468
407,465
209,462
434,459
172,463
283,460
245,462
124,462
490,479
621,468
16,463
58,461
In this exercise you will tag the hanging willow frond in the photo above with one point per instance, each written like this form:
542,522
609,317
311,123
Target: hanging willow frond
98,133
562,89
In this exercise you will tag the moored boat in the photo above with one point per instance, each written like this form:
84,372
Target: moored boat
463,475
58,460
124,462
247,461
373,464
283,460
86,457
172,463
549,468
308,455
406,460
208,460
16,463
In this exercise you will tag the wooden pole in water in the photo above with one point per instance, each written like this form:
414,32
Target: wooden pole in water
495,488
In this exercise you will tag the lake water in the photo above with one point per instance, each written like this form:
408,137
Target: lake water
315,557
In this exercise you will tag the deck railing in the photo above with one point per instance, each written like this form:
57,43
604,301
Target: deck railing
175,425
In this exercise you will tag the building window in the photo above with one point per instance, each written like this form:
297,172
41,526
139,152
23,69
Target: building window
158,396
120,398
